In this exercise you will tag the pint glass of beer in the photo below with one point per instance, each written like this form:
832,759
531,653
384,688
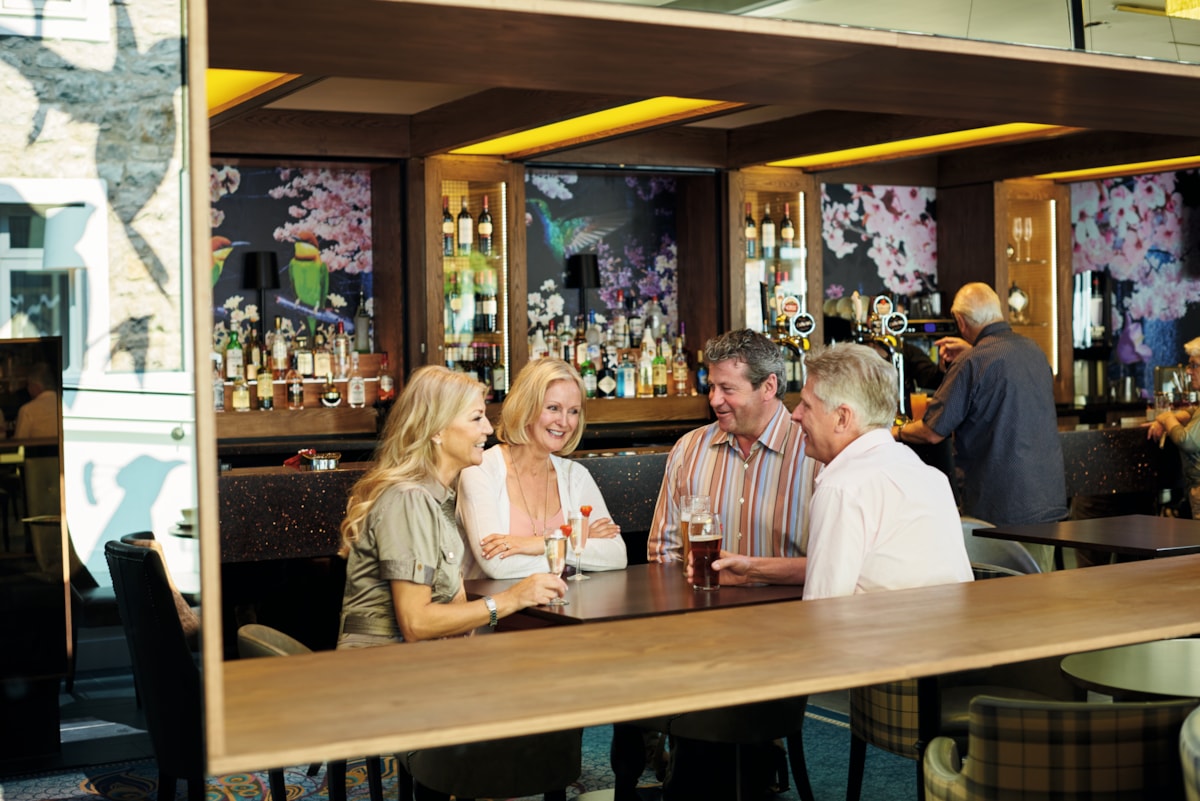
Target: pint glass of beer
704,538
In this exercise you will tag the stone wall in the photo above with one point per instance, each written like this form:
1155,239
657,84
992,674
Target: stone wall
113,110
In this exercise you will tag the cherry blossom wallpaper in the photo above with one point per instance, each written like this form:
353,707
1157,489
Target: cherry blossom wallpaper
317,221
1144,233
877,240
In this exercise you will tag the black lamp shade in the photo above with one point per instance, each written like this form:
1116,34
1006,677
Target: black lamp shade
260,270
583,271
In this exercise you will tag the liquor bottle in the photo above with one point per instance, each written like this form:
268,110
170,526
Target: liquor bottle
499,376
787,229
553,344
250,372
588,371
240,397
304,357
265,390
233,357
387,386
279,350
362,326
636,326
330,396
538,348
581,343
627,378
447,228
485,229
645,375
356,386
566,341
466,230
620,325
682,335
766,230
295,386
679,368
701,374
341,352
218,384
606,376
253,353
751,235
659,375
653,318
322,356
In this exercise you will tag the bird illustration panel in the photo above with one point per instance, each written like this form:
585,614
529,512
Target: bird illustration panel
317,222
628,219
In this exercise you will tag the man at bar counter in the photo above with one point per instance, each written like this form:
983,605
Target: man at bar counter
751,464
997,399
880,518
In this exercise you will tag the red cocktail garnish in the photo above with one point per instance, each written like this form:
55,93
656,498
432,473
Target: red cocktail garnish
565,528
587,511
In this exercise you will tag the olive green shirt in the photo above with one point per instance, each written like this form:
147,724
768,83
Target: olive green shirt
409,535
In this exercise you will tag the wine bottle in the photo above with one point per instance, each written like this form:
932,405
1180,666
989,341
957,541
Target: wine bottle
485,229
362,325
466,230
751,234
787,229
491,306
447,228
499,376
766,230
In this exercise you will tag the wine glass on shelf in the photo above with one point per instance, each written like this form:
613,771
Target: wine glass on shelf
1027,231
578,534
1018,233
556,555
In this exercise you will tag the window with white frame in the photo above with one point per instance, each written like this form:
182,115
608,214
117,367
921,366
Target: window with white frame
79,20
52,245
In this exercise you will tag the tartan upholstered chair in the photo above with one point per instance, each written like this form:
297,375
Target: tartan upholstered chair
1189,752
1060,750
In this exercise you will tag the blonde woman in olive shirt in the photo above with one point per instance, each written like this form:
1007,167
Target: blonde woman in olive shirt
404,551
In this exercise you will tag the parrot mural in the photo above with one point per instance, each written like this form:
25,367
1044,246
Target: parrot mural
221,248
310,276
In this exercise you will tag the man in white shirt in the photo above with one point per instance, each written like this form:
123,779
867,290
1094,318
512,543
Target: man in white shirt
881,519
38,417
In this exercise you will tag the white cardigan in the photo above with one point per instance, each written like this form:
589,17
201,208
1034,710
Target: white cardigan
483,509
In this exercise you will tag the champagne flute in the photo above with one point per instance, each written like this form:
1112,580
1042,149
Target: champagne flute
1018,233
556,555
1027,227
578,533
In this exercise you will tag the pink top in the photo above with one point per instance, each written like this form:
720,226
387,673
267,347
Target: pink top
522,525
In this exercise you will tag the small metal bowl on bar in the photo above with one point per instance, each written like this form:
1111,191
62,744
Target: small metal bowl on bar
321,461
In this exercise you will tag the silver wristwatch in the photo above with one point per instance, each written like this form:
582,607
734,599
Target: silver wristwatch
493,616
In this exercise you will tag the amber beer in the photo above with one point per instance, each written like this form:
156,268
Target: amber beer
705,541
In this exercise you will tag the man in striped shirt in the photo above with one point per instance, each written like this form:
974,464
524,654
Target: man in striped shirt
750,462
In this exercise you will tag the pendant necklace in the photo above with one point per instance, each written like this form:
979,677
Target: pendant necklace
528,508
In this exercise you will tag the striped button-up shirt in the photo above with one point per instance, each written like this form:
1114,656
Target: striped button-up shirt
761,500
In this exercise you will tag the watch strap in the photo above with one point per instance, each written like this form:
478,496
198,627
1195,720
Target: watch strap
493,616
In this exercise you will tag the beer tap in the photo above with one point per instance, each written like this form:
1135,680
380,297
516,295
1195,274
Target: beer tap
892,325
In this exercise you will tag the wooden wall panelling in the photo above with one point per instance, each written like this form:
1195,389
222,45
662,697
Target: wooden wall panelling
319,134
389,265
734,190
966,234
702,282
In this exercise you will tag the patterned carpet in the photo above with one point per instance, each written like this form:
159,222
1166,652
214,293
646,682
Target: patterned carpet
826,746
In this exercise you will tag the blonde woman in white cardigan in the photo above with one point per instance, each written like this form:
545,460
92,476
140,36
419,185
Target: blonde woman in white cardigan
525,487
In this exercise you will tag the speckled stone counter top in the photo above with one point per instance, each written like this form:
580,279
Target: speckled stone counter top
281,513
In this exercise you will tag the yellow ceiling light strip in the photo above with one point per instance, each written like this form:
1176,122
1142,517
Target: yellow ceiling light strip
1183,8
1115,170
225,89
610,122
926,145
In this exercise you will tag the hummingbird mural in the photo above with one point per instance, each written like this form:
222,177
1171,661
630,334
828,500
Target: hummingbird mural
573,235
310,276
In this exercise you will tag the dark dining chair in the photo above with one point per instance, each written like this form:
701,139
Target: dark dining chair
1062,750
1189,754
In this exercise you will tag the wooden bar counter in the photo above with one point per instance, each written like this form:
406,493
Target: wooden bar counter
301,709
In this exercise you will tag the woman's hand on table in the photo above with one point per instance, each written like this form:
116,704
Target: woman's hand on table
505,545
536,590
603,529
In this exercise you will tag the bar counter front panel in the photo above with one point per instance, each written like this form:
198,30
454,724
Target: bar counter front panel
282,513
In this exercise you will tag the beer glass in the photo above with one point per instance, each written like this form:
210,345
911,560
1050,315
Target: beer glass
704,536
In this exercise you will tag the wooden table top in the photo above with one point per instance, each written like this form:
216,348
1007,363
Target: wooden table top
1130,535
301,709
637,591
1167,668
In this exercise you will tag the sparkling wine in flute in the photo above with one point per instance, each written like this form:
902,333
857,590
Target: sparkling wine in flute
577,531
556,557
705,540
